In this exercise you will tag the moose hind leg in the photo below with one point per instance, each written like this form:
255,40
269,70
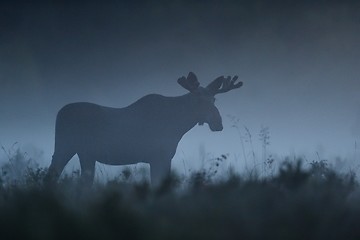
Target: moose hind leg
58,163
87,165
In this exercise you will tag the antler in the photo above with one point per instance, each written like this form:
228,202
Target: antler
190,82
222,84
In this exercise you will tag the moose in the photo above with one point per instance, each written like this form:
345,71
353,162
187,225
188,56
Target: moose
148,130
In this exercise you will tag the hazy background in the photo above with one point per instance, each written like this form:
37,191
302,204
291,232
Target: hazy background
299,61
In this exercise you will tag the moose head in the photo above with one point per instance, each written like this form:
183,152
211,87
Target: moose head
204,97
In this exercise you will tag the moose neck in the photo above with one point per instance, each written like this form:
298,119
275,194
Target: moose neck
186,113
169,116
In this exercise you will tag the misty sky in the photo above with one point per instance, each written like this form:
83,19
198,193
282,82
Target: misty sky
299,62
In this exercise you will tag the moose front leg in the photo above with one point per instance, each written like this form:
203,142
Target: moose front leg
159,170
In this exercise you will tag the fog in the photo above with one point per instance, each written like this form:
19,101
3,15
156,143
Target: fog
299,62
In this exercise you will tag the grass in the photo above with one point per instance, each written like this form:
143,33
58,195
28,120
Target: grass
295,203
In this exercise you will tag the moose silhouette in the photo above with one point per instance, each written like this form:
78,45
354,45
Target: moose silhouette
148,130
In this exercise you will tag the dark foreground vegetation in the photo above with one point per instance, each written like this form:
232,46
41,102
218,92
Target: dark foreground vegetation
294,204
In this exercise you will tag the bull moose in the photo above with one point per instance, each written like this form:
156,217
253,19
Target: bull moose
148,130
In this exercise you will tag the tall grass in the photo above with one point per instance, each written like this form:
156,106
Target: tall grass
294,203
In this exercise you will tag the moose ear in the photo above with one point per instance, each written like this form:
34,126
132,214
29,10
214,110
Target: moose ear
190,82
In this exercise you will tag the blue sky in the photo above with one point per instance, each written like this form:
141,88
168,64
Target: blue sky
299,64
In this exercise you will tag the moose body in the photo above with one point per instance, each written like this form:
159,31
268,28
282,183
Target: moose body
148,130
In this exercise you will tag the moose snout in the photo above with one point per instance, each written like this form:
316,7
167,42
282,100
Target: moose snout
216,127
214,120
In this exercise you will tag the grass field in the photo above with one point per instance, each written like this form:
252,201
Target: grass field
295,203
